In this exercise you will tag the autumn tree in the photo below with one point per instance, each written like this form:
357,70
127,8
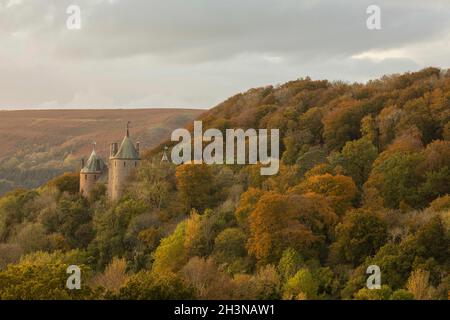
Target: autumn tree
209,282
338,189
246,204
418,284
342,124
275,226
114,276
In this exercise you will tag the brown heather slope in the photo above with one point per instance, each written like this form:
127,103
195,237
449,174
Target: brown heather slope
36,145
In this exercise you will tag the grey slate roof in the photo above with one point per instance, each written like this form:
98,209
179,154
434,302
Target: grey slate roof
127,150
94,164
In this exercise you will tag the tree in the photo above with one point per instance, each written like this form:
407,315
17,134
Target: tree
417,113
111,224
155,184
396,180
360,235
114,277
9,254
342,124
229,245
170,254
196,187
370,131
441,203
289,264
338,189
311,157
384,293
264,285
301,284
356,159
40,276
315,212
246,204
13,210
209,282
74,221
402,294
432,239
68,182
274,226
32,237
419,286
148,285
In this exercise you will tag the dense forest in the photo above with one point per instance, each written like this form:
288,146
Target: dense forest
364,180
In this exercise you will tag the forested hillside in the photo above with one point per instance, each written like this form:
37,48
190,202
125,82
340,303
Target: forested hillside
364,180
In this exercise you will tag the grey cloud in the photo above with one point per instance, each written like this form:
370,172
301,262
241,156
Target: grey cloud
196,53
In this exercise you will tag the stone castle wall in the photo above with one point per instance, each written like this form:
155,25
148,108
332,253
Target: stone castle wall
88,182
119,173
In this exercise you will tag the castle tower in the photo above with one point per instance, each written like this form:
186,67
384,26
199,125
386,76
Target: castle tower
122,162
91,173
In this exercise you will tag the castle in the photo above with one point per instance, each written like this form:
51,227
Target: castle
123,161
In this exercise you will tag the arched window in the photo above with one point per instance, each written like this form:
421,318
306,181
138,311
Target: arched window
124,163
85,177
135,163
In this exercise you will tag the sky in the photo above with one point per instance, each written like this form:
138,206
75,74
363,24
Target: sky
197,53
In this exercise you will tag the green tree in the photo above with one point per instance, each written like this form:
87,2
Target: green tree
289,264
384,293
195,184
41,276
360,235
356,159
68,182
301,285
170,254
148,285
229,245
396,179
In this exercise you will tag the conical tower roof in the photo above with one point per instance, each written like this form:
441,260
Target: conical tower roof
127,150
94,164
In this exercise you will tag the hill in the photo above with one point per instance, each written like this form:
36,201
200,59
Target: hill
37,145
363,182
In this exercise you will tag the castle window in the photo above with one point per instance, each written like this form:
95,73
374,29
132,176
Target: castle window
124,164
95,177
85,177
135,163
115,164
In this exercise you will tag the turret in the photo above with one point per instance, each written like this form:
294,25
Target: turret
91,173
123,162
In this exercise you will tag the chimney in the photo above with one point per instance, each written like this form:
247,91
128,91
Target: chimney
82,163
113,149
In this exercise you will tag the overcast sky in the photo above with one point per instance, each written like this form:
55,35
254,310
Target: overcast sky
197,53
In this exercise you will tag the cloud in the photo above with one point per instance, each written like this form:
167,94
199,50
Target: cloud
198,52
